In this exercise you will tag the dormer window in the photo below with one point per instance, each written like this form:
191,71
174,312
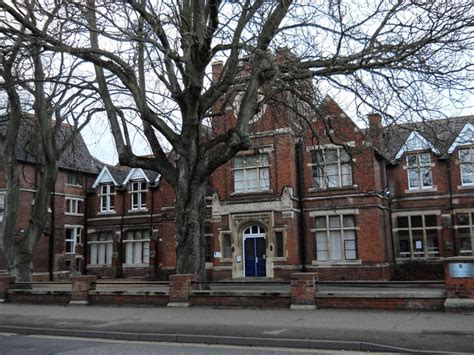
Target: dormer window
466,162
73,178
138,195
107,198
419,171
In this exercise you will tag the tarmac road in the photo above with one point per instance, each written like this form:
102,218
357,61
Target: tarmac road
25,345
353,330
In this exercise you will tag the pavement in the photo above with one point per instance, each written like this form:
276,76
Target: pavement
351,330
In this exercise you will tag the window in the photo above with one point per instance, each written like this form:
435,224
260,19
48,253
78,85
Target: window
73,237
226,246
417,236
137,247
465,233
74,206
331,168
106,198
419,171
336,238
73,179
466,162
138,195
101,248
279,250
251,173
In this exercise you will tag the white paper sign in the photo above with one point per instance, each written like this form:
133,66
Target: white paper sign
218,254
418,244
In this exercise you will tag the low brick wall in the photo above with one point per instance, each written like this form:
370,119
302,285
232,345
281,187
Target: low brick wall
61,298
353,272
388,303
127,299
240,299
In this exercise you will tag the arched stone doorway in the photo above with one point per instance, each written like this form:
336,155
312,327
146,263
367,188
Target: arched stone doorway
254,251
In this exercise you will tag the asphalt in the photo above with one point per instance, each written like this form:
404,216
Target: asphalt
351,330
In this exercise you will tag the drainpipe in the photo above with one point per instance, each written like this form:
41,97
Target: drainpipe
152,207
51,236
85,236
299,192
390,223
120,249
451,207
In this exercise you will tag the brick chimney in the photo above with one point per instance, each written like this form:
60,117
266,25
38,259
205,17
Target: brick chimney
375,130
217,68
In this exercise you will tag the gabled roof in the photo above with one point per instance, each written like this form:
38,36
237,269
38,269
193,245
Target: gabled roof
415,141
121,175
104,177
136,174
75,157
440,133
466,136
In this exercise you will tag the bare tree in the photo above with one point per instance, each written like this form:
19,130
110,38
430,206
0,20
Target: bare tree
152,61
41,95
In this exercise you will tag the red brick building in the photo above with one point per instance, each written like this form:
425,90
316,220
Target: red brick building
329,197
60,249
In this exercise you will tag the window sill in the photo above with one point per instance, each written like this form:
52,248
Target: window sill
336,263
422,190
251,193
73,185
466,187
135,265
98,266
105,213
420,258
350,187
74,214
138,210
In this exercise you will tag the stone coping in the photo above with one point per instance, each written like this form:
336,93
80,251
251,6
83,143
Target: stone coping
240,293
381,294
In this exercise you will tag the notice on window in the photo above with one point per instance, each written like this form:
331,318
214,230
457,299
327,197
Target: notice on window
418,244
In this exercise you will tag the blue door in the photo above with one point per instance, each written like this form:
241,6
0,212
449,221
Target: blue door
255,264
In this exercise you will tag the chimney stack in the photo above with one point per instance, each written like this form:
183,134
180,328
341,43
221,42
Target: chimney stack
375,129
217,68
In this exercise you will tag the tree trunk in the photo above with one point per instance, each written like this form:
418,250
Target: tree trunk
190,212
24,246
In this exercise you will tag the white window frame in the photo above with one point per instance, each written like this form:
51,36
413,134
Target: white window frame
139,194
72,206
469,226
76,238
262,171
346,238
101,249
412,254
466,163
419,169
137,251
106,195
322,181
